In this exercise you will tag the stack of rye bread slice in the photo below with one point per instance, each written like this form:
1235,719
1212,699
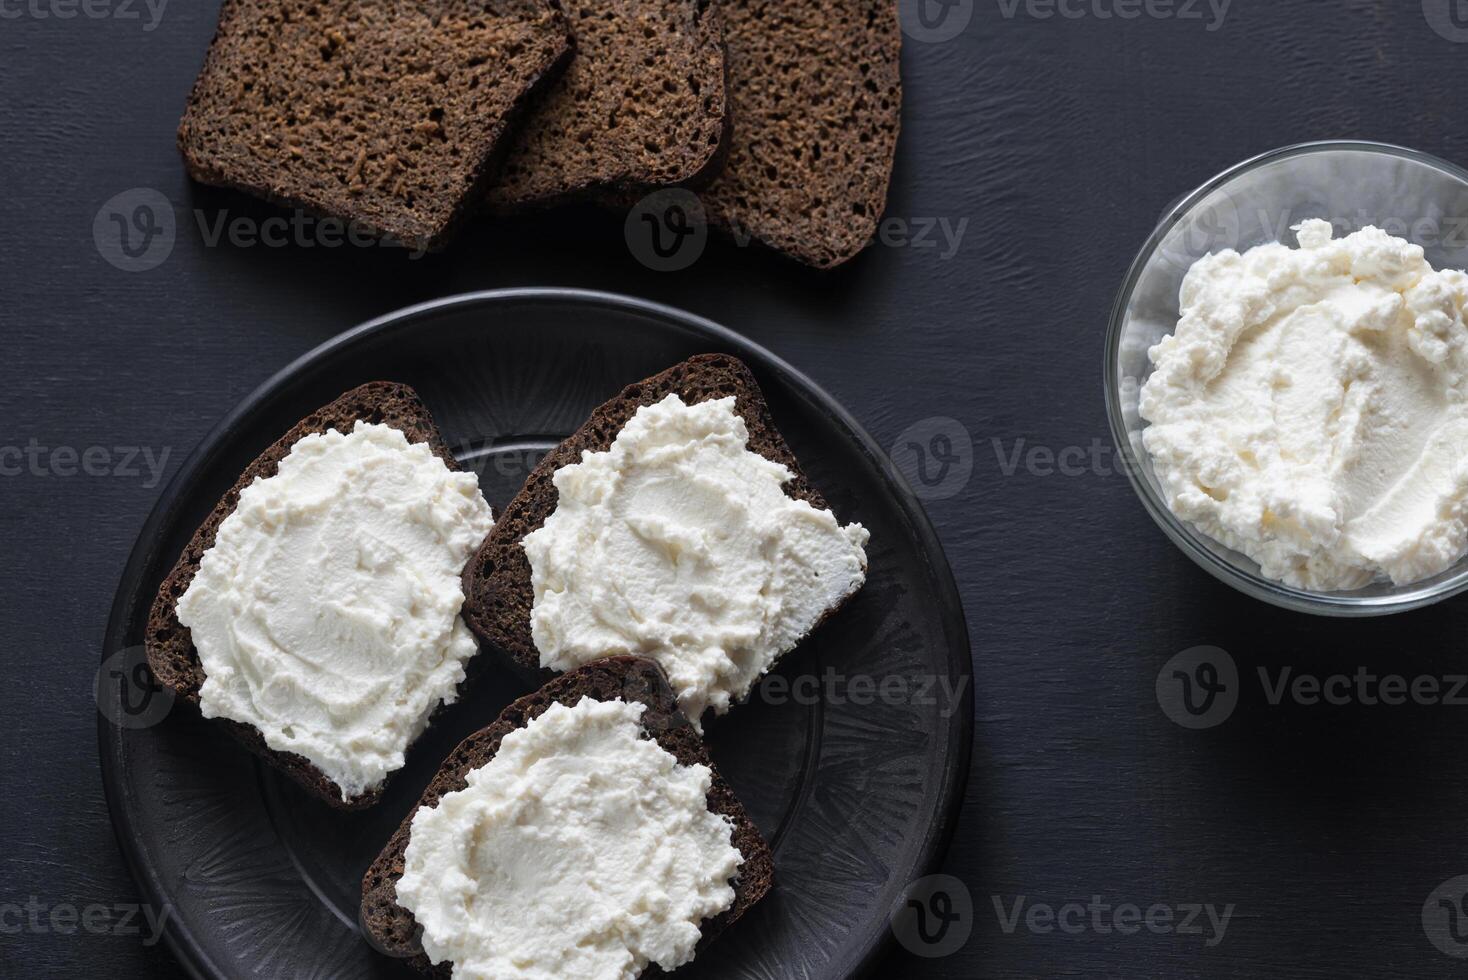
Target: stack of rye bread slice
407,116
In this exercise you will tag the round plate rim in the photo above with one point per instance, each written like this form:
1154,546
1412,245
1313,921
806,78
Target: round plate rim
950,797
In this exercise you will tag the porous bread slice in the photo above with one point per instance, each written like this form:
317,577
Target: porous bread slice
816,89
172,656
392,929
387,113
498,596
643,103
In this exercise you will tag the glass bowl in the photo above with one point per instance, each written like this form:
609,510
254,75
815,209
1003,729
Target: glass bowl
1406,193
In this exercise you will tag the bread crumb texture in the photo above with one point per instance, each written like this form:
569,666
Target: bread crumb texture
817,101
380,111
642,103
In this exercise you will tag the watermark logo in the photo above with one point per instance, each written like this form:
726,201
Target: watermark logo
126,692
147,13
933,917
1445,917
935,21
1449,18
1212,228
135,231
935,457
668,230
1199,688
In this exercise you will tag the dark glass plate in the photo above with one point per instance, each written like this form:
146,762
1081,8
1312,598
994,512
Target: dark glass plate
852,763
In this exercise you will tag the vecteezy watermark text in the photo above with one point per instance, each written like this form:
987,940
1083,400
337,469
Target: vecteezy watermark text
937,456
509,463
35,917
863,690
125,462
300,229
668,231
1201,687
148,13
1362,687
136,231
1098,458
1220,224
129,696
1076,918
944,234
1212,13
1445,231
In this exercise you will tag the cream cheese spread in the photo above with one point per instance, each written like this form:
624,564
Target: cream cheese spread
681,545
326,614
1310,410
580,850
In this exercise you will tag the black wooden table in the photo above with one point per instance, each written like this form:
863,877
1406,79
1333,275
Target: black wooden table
1042,139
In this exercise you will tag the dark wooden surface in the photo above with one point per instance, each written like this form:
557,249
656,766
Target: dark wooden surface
1059,141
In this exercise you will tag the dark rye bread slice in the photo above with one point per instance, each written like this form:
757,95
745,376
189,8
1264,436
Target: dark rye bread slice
171,654
643,103
392,930
817,100
386,113
498,596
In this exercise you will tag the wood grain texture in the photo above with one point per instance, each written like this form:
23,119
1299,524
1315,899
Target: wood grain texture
1061,141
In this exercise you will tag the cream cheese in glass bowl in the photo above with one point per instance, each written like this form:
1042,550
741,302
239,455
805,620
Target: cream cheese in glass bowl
1286,373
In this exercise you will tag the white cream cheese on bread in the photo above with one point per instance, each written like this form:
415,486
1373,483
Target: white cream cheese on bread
326,614
580,850
680,545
